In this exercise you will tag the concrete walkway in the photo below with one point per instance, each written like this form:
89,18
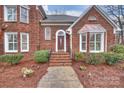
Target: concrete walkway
60,77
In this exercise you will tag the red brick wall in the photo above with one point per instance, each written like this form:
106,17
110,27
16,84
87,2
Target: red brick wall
33,28
83,21
51,44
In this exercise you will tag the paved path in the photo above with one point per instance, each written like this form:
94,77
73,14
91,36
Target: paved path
60,77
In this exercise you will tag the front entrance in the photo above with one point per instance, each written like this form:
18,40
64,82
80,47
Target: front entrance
60,43
60,40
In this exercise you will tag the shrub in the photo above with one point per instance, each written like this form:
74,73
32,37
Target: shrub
95,59
41,56
83,68
118,48
11,58
79,56
113,58
26,72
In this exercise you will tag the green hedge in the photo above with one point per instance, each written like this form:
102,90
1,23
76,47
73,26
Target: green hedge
95,58
11,58
79,56
118,48
41,56
113,58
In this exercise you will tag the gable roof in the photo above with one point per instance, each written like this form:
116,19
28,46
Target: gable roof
60,18
98,9
42,11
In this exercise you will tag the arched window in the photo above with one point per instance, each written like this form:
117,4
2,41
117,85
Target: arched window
60,33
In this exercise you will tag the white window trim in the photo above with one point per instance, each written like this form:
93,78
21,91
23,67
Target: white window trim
27,34
6,42
5,15
46,33
27,14
57,40
102,44
80,40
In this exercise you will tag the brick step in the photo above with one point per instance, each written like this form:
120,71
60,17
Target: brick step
60,53
60,64
60,58
59,61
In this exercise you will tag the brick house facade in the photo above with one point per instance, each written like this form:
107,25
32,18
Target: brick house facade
93,31
32,28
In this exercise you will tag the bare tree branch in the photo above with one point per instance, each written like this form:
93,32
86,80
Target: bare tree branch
117,11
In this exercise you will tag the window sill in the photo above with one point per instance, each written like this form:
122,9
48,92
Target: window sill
11,21
11,51
96,51
24,22
83,51
24,51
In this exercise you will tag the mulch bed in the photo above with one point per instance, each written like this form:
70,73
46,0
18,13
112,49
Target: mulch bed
102,75
11,76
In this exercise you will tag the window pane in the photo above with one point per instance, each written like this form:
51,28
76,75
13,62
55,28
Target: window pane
24,38
10,38
9,11
24,46
10,46
92,37
10,17
84,37
83,46
92,46
60,33
98,45
15,38
15,46
98,37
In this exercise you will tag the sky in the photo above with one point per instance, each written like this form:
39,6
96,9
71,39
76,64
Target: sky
74,10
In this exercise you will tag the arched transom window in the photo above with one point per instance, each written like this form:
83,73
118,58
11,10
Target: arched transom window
60,33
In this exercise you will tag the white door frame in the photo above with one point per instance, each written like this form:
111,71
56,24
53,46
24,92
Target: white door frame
57,40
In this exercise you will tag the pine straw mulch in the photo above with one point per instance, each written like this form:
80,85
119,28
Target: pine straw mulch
11,76
102,75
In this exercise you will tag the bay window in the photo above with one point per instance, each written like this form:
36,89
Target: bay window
10,13
94,42
11,42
